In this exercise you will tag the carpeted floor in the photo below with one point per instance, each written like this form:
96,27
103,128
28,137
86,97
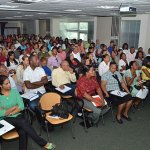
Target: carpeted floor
134,135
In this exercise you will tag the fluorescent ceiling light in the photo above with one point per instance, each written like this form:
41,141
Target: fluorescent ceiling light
42,13
7,6
73,10
8,17
28,15
17,16
107,7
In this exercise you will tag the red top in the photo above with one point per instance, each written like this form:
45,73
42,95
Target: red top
86,85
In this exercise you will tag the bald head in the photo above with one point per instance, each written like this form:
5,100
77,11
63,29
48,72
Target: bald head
4,71
65,65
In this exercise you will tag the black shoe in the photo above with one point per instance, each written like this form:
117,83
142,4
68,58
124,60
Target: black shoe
127,118
119,120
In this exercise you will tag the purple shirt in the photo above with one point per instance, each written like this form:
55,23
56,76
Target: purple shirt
54,61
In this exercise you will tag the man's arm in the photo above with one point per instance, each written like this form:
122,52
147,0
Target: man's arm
37,84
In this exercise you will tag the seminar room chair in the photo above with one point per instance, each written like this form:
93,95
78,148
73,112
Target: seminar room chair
46,103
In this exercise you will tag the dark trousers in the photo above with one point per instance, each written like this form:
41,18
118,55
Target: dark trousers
24,129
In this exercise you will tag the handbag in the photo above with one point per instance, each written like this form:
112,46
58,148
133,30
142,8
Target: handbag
60,110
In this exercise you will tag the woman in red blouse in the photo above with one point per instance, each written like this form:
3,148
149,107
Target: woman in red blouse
86,87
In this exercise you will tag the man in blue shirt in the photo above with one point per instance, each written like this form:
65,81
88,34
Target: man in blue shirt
110,48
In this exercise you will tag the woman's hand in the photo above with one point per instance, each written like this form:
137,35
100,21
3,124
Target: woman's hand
10,110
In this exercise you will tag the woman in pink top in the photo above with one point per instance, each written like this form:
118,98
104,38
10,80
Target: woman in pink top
61,53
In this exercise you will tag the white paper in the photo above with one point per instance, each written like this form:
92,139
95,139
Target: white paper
7,127
119,93
54,117
30,96
142,93
66,89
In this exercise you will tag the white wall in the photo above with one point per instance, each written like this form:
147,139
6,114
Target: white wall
144,30
102,29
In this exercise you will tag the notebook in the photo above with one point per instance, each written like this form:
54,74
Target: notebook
119,93
97,97
66,89
5,127
30,96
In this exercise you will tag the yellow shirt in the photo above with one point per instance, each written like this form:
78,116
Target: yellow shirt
61,77
144,76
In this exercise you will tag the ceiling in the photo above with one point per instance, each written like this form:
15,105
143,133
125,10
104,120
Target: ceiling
45,9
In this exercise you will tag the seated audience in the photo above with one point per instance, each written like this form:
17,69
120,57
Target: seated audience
125,48
131,55
146,71
139,58
4,71
61,53
11,111
45,67
87,86
54,61
11,63
34,79
111,81
76,54
64,75
2,56
123,64
19,73
43,52
104,65
132,78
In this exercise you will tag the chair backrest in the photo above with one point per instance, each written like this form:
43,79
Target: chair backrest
48,100
10,135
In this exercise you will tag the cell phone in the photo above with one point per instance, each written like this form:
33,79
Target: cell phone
1,125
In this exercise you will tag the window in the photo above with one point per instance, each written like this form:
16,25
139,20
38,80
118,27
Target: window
130,30
71,30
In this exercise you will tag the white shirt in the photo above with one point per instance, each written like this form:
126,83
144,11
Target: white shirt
77,56
12,65
126,51
130,57
12,83
103,68
34,76
121,63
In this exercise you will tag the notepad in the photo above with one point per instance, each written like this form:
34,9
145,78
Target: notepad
6,127
97,97
66,89
119,93
30,96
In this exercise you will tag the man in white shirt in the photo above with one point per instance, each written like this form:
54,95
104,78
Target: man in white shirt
104,65
34,78
4,71
131,55
76,54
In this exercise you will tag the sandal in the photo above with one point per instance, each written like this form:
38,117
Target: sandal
51,146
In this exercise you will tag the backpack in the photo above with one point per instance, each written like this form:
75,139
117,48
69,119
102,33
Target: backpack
60,110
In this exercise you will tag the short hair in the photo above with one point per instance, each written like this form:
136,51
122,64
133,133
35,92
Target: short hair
131,64
122,55
113,63
54,48
43,59
84,69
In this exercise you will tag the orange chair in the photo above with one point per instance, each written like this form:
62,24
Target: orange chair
47,102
